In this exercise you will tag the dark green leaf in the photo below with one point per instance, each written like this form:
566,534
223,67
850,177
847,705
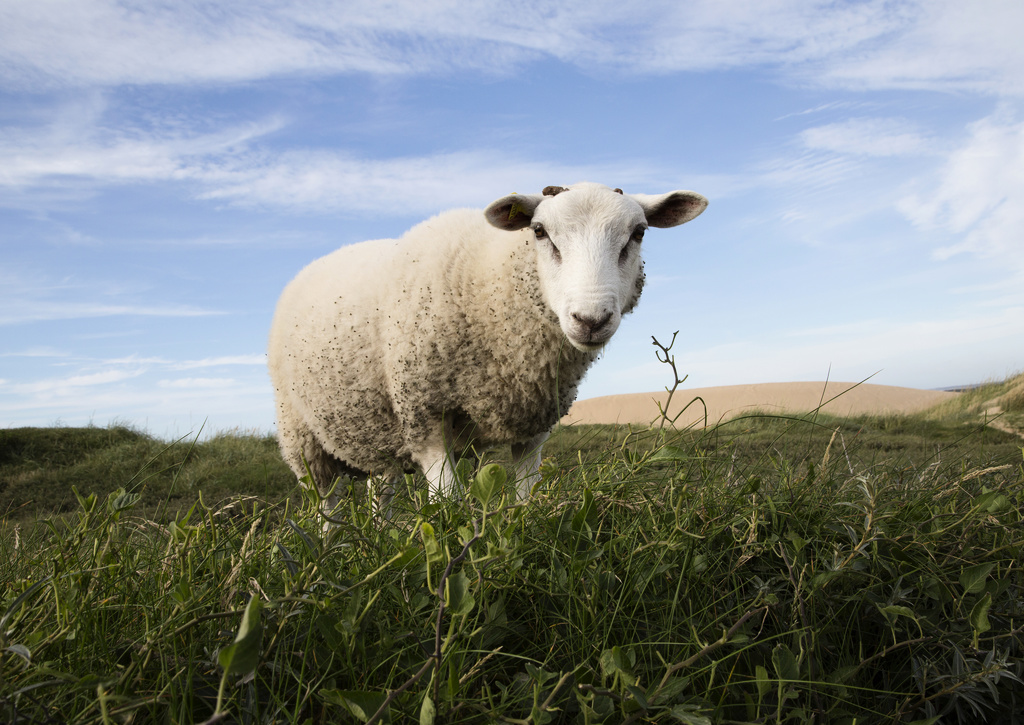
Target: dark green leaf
764,684
586,514
979,614
241,656
488,482
459,600
430,545
972,579
360,704
684,713
427,711
671,453
639,695
785,664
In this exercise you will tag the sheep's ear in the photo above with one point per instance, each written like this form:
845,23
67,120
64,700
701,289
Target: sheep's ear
513,212
671,209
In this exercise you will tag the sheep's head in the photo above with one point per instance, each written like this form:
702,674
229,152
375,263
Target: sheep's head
588,249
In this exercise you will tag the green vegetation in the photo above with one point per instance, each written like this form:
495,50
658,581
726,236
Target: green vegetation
770,570
39,467
1001,403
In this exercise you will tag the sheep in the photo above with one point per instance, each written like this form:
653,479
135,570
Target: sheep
472,329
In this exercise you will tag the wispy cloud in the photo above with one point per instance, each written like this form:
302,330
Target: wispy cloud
70,384
336,181
937,45
43,352
145,390
197,383
258,359
979,193
232,167
80,147
871,44
867,136
28,295
21,311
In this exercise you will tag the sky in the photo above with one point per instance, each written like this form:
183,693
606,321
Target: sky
167,167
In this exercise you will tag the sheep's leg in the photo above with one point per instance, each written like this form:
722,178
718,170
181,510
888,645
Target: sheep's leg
439,467
301,449
436,455
526,459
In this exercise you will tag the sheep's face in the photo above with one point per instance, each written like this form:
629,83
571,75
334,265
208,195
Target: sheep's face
588,261
588,240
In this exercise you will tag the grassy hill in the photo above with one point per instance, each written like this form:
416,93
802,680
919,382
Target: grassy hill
774,569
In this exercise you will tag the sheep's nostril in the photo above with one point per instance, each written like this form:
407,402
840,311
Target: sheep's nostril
592,324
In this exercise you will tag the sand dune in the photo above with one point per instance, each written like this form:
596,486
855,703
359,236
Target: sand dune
726,402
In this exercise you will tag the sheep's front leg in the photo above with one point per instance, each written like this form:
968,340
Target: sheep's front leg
526,459
438,466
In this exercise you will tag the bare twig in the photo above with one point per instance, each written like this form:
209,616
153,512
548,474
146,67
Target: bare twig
893,648
664,357
724,639
395,693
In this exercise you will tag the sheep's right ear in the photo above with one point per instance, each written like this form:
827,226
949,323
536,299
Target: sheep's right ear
513,212
671,209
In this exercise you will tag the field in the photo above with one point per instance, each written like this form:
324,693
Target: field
769,570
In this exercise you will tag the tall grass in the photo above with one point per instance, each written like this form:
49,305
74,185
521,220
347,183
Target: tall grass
772,570
39,467
1001,401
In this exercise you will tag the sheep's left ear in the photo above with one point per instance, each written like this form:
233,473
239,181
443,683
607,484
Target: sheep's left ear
513,212
671,209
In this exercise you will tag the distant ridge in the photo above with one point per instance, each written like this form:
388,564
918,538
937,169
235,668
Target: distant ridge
837,398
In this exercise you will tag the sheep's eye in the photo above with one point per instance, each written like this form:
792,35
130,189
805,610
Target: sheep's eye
637,235
540,232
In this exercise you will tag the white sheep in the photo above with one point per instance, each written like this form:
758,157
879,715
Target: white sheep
472,329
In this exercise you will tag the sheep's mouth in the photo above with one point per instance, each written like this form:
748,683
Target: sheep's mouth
587,345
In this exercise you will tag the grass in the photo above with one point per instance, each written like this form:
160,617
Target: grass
1001,402
770,570
39,467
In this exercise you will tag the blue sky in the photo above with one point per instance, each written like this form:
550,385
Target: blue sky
166,168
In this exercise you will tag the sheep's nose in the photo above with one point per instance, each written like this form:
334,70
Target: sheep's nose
593,325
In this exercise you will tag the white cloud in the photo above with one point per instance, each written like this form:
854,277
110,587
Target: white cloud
86,153
869,44
27,296
138,390
36,352
979,194
940,45
254,359
18,311
79,146
197,383
866,136
71,384
209,362
105,42
326,180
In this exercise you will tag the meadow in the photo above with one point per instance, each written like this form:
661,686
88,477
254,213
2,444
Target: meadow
772,569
